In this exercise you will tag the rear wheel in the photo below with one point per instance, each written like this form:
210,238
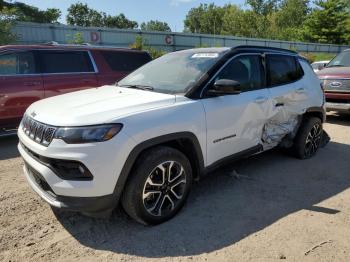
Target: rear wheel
308,138
158,186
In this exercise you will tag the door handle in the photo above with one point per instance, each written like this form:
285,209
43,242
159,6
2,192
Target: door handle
260,99
300,90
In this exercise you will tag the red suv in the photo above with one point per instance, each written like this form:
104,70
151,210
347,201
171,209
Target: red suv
32,72
336,82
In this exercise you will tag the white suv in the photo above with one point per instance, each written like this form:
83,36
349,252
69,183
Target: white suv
146,139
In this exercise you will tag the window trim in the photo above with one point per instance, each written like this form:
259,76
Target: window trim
202,95
295,57
34,51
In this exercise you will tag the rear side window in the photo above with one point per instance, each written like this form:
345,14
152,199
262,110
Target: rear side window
283,69
65,62
17,63
125,61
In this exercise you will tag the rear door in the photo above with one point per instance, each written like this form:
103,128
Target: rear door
66,71
20,85
235,122
288,96
287,91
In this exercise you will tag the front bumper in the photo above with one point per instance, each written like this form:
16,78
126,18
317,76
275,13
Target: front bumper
105,160
81,204
340,107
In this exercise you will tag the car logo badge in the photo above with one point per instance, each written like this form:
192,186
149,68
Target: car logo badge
336,84
33,114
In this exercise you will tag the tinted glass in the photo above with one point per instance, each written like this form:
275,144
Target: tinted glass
174,72
247,70
65,62
125,61
283,69
17,63
343,59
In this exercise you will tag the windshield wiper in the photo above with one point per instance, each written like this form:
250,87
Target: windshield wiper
142,87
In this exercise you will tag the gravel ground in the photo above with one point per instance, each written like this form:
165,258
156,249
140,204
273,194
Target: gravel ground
279,208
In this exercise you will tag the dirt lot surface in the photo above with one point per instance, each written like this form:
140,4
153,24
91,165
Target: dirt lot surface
280,208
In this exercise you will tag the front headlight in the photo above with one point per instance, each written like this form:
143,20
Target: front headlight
87,134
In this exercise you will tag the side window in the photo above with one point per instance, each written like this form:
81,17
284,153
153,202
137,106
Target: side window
65,62
283,69
17,63
125,61
247,70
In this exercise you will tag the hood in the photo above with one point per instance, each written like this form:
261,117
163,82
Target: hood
96,105
334,72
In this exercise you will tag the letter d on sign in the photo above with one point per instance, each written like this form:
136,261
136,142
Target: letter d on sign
94,36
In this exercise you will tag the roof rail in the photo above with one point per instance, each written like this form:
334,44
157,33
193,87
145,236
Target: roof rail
51,43
264,48
54,43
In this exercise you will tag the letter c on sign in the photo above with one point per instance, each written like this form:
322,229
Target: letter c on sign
95,37
169,40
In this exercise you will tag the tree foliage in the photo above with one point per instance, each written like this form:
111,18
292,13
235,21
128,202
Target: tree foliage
28,13
81,15
155,25
326,21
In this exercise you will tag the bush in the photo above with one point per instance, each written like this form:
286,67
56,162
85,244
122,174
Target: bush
76,39
141,44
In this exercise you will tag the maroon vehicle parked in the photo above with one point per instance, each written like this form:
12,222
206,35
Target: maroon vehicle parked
32,72
336,82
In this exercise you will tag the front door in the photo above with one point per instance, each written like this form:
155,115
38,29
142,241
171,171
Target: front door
20,85
235,122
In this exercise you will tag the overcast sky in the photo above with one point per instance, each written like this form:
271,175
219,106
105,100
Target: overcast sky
171,11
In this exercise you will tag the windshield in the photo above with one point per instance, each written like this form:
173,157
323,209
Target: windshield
343,59
172,73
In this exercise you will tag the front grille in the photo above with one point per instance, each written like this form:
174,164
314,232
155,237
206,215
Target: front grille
38,132
337,85
39,180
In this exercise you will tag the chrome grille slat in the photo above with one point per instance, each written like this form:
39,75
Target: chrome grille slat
38,132
344,85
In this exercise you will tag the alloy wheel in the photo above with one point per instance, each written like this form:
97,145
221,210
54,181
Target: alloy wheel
313,140
164,188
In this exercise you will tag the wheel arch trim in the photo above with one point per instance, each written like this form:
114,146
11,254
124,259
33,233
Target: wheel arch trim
138,149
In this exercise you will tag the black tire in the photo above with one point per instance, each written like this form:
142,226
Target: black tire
150,181
308,138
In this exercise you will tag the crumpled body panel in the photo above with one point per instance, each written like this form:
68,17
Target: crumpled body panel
283,121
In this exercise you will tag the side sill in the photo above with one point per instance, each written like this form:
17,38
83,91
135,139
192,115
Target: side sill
229,159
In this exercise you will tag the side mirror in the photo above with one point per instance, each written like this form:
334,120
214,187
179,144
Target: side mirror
225,87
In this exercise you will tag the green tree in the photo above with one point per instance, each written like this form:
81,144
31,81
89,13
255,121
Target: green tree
288,21
81,15
119,21
7,16
328,22
28,13
238,22
155,25
205,19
